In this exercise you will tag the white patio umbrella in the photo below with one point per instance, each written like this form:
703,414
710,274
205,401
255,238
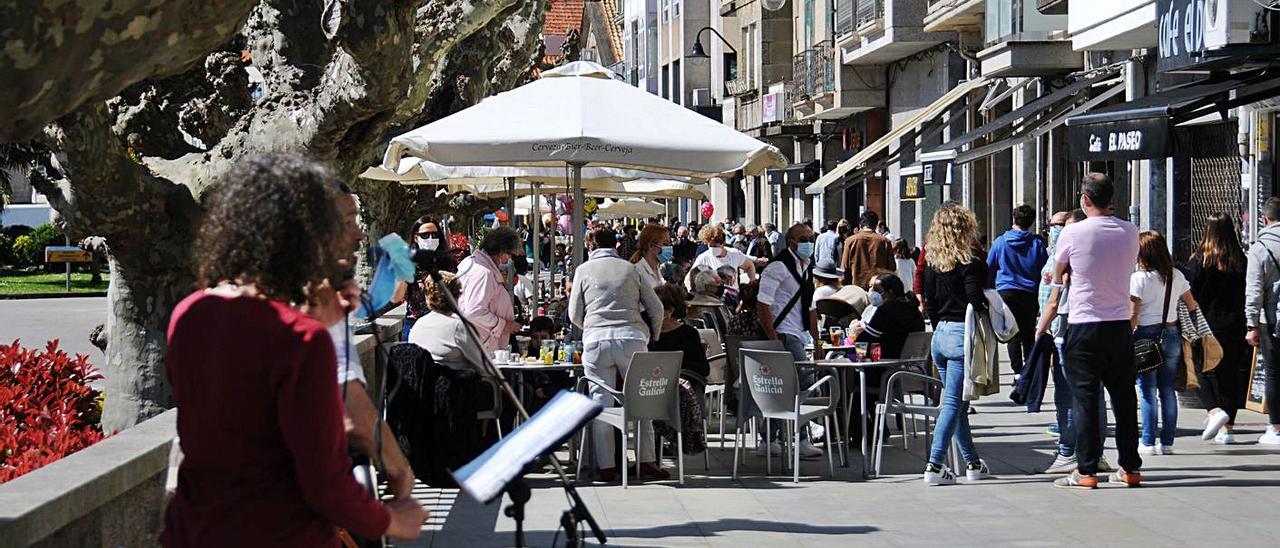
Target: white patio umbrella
415,171
629,207
644,188
580,115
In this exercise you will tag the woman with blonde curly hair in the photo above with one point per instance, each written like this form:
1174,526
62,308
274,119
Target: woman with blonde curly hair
954,278
441,333
718,255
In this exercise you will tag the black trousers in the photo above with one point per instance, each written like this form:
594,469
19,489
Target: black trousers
1025,307
1223,386
1272,367
1102,352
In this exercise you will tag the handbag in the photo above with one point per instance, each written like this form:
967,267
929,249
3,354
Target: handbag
1193,325
1147,355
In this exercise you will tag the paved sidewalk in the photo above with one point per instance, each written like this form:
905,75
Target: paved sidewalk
1204,495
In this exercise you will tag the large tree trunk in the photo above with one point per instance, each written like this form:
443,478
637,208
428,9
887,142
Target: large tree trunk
340,77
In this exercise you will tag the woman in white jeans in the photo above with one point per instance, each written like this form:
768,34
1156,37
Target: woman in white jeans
606,302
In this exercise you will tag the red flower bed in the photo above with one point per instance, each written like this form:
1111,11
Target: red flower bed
48,410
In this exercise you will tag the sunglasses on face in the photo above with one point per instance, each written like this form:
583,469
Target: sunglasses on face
429,234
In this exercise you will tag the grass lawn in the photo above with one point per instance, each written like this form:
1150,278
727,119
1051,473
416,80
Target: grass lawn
14,282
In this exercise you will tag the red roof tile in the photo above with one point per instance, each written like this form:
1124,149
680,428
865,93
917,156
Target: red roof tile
563,15
615,30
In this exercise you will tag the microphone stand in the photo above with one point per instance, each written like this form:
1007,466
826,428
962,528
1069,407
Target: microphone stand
518,490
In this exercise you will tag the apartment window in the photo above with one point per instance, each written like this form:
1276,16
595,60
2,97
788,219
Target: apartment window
675,8
730,66
666,10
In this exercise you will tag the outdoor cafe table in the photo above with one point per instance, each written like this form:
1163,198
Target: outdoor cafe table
519,368
841,367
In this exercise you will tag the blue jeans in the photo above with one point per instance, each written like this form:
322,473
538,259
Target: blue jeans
953,420
1160,382
1063,401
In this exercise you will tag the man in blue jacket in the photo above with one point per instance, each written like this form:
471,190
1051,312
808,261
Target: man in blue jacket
1016,258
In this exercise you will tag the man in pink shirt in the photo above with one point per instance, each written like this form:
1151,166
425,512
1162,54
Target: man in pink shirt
485,301
1100,253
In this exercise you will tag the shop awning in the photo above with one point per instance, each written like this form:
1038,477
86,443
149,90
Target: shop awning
926,114
1024,118
1139,129
1030,121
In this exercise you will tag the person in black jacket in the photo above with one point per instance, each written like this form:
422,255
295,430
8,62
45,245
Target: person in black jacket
677,335
1216,273
954,278
896,315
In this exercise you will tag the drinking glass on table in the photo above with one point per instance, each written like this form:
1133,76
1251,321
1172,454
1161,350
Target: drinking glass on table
837,335
860,350
522,346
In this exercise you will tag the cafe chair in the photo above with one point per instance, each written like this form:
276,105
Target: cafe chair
650,391
918,346
494,413
900,385
716,382
733,346
772,379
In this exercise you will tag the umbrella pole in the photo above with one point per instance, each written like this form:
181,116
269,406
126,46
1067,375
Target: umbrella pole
555,223
578,239
511,220
535,224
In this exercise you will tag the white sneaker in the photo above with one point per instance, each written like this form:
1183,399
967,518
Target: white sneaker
1162,449
1224,438
772,449
1147,449
1214,423
817,432
808,450
977,471
1063,465
1270,437
941,477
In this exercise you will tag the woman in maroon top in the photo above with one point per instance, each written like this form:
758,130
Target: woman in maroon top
252,368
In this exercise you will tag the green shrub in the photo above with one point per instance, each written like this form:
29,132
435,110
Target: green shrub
28,249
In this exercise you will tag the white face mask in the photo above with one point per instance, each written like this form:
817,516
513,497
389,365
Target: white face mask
429,244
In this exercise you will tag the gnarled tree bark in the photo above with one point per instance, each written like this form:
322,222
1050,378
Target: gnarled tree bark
339,77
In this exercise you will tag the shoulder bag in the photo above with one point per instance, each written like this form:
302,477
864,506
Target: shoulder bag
1147,355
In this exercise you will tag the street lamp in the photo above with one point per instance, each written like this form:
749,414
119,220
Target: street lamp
699,52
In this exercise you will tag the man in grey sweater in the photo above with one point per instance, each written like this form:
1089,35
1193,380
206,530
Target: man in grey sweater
1261,291
605,303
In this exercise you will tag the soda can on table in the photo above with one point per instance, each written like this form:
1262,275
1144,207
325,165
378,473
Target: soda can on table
875,352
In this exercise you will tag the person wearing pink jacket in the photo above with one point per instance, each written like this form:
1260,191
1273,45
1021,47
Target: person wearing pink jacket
485,300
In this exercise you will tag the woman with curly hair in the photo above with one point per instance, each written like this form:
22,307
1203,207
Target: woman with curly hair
954,278
441,332
252,365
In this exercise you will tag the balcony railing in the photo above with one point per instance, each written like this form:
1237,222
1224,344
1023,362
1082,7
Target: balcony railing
739,86
868,11
813,71
852,14
846,11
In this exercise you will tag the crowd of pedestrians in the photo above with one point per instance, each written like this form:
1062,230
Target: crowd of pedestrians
1084,292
